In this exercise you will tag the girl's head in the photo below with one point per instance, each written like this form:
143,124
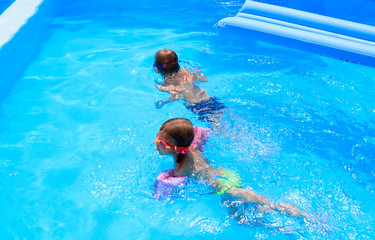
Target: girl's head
166,62
176,132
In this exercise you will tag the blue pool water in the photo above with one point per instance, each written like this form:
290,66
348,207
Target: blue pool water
77,159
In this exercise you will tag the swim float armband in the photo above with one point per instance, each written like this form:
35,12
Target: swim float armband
200,137
166,183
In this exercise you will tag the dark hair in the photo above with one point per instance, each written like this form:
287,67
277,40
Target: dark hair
166,61
181,131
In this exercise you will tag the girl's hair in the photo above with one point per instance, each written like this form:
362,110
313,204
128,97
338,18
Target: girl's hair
181,131
166,61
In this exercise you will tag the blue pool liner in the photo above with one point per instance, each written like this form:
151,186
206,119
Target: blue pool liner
336,37
24,29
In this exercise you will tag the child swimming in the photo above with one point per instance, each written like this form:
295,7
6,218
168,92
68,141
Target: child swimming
175,137
182,84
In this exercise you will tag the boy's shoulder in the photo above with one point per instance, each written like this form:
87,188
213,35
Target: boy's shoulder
187,75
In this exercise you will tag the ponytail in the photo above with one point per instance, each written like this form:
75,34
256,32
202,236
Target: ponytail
180,157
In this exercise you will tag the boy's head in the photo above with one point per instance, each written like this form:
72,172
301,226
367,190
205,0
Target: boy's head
166,62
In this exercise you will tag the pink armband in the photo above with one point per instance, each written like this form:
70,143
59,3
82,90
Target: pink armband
166,184
200,137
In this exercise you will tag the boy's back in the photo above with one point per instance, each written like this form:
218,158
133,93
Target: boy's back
182,85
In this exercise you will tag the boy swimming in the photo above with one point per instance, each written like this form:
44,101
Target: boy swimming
182,84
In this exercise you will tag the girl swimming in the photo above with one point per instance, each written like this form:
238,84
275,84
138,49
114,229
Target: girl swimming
175,138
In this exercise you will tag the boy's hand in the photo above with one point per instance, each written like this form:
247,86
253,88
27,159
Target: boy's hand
202,78
159,104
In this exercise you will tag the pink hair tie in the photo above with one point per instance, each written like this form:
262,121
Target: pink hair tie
182,150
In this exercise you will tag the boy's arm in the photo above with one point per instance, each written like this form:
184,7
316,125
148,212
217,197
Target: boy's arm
201,76
161,103
163,88
174,96
195,75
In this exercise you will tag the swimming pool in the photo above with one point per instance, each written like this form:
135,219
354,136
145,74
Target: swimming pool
76,152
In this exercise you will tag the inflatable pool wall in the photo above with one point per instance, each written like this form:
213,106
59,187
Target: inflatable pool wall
331,36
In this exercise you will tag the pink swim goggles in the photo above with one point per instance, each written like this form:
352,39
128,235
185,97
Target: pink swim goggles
164,144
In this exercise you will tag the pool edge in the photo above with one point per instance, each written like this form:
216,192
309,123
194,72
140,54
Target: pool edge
15,17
